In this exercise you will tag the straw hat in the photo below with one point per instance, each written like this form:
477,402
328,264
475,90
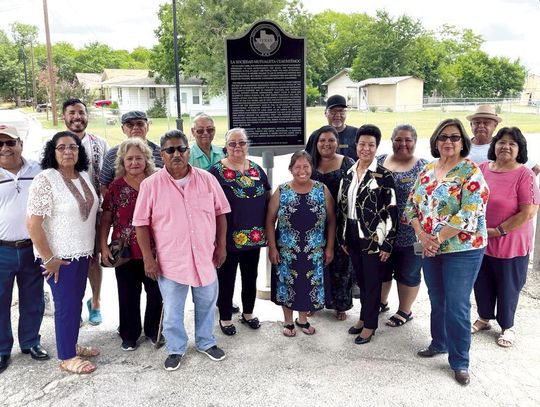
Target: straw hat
485,112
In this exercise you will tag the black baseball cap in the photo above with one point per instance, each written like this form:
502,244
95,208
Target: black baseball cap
336,100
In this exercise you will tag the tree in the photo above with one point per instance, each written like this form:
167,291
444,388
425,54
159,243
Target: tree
204,26
10,81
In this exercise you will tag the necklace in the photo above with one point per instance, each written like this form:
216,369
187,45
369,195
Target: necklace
86,203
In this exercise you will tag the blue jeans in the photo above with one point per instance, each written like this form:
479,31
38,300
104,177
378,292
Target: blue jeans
174,299
450,278
20,264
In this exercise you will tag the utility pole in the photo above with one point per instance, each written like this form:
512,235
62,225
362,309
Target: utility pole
34,86
52,83
179,121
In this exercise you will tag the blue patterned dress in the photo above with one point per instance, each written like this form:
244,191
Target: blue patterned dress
298,280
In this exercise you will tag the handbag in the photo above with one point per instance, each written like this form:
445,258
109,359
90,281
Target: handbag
120,251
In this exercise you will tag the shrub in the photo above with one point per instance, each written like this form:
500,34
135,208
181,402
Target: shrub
158,110
373,109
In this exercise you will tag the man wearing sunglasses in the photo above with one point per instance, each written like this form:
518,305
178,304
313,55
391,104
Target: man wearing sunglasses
184,209
16,253
203,154
134,124
336,115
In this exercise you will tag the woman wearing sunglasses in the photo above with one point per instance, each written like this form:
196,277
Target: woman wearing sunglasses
447,208
247,189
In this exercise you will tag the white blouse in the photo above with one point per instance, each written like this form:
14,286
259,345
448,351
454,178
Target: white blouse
69,237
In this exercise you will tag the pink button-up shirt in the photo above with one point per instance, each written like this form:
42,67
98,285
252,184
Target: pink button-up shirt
183,223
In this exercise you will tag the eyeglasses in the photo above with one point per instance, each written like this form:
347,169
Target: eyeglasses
341,112
8,143
453,138
130,125
171,150
233,144
71,147
209,130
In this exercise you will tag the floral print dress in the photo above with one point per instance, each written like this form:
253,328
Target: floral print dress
458,200
247,194
298,279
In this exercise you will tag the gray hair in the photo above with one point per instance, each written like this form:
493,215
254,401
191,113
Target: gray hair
236,130
200,116
119,168
173,134
405,127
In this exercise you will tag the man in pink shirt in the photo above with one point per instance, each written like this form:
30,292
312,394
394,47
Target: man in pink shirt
183,209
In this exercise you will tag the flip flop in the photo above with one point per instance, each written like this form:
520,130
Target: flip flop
306,328
291,331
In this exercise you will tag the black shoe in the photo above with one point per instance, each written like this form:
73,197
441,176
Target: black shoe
228,330
360,341
354,330
4,362
235,309
129,346
428,353
37,353
383,307
172,362
462,377
158,343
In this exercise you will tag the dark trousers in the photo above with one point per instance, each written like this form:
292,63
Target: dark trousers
249,261
68,293
497,288
130,278
20,264
369,272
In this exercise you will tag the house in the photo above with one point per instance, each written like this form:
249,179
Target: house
138,89
531,90
396,93
90,82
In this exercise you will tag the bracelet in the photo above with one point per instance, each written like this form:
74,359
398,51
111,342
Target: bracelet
48,260
501,230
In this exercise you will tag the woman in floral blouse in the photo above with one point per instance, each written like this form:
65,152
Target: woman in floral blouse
133,164
246,186
446,208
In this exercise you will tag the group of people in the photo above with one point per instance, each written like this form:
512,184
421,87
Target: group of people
188,216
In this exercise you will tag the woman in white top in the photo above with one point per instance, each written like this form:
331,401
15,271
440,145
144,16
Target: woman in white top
62,207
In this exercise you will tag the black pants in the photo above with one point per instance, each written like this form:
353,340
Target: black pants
130,277
369,275
249,261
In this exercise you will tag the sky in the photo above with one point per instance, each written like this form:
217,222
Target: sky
510,28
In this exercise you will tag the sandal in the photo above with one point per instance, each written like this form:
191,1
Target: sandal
289,331
77,365
306,328
399,318
507,338
228,330
341,315
480,325
383,307
253,323
86,351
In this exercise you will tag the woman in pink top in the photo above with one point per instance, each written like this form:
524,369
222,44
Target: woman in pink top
512,204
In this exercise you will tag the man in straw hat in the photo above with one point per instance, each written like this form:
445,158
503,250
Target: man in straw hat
484,121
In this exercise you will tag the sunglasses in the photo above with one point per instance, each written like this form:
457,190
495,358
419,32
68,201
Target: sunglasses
233,144
444,137
209,130
171,150
8,143
63,147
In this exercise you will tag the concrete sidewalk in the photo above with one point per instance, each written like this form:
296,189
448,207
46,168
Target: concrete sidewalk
264,368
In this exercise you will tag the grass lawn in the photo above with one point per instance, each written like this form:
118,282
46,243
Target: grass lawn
424,121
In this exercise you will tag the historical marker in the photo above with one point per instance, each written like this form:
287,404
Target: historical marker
266,86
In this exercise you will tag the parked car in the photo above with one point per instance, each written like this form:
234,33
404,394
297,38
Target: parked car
42,107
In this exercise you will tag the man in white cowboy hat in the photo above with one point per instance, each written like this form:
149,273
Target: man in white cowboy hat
484,121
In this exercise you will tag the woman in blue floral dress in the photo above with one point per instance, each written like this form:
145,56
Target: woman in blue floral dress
302,245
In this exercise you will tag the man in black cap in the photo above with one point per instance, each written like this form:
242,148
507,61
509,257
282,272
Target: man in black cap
336,114
134,124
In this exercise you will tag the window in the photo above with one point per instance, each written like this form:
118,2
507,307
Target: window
196,100
152,93
119,95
